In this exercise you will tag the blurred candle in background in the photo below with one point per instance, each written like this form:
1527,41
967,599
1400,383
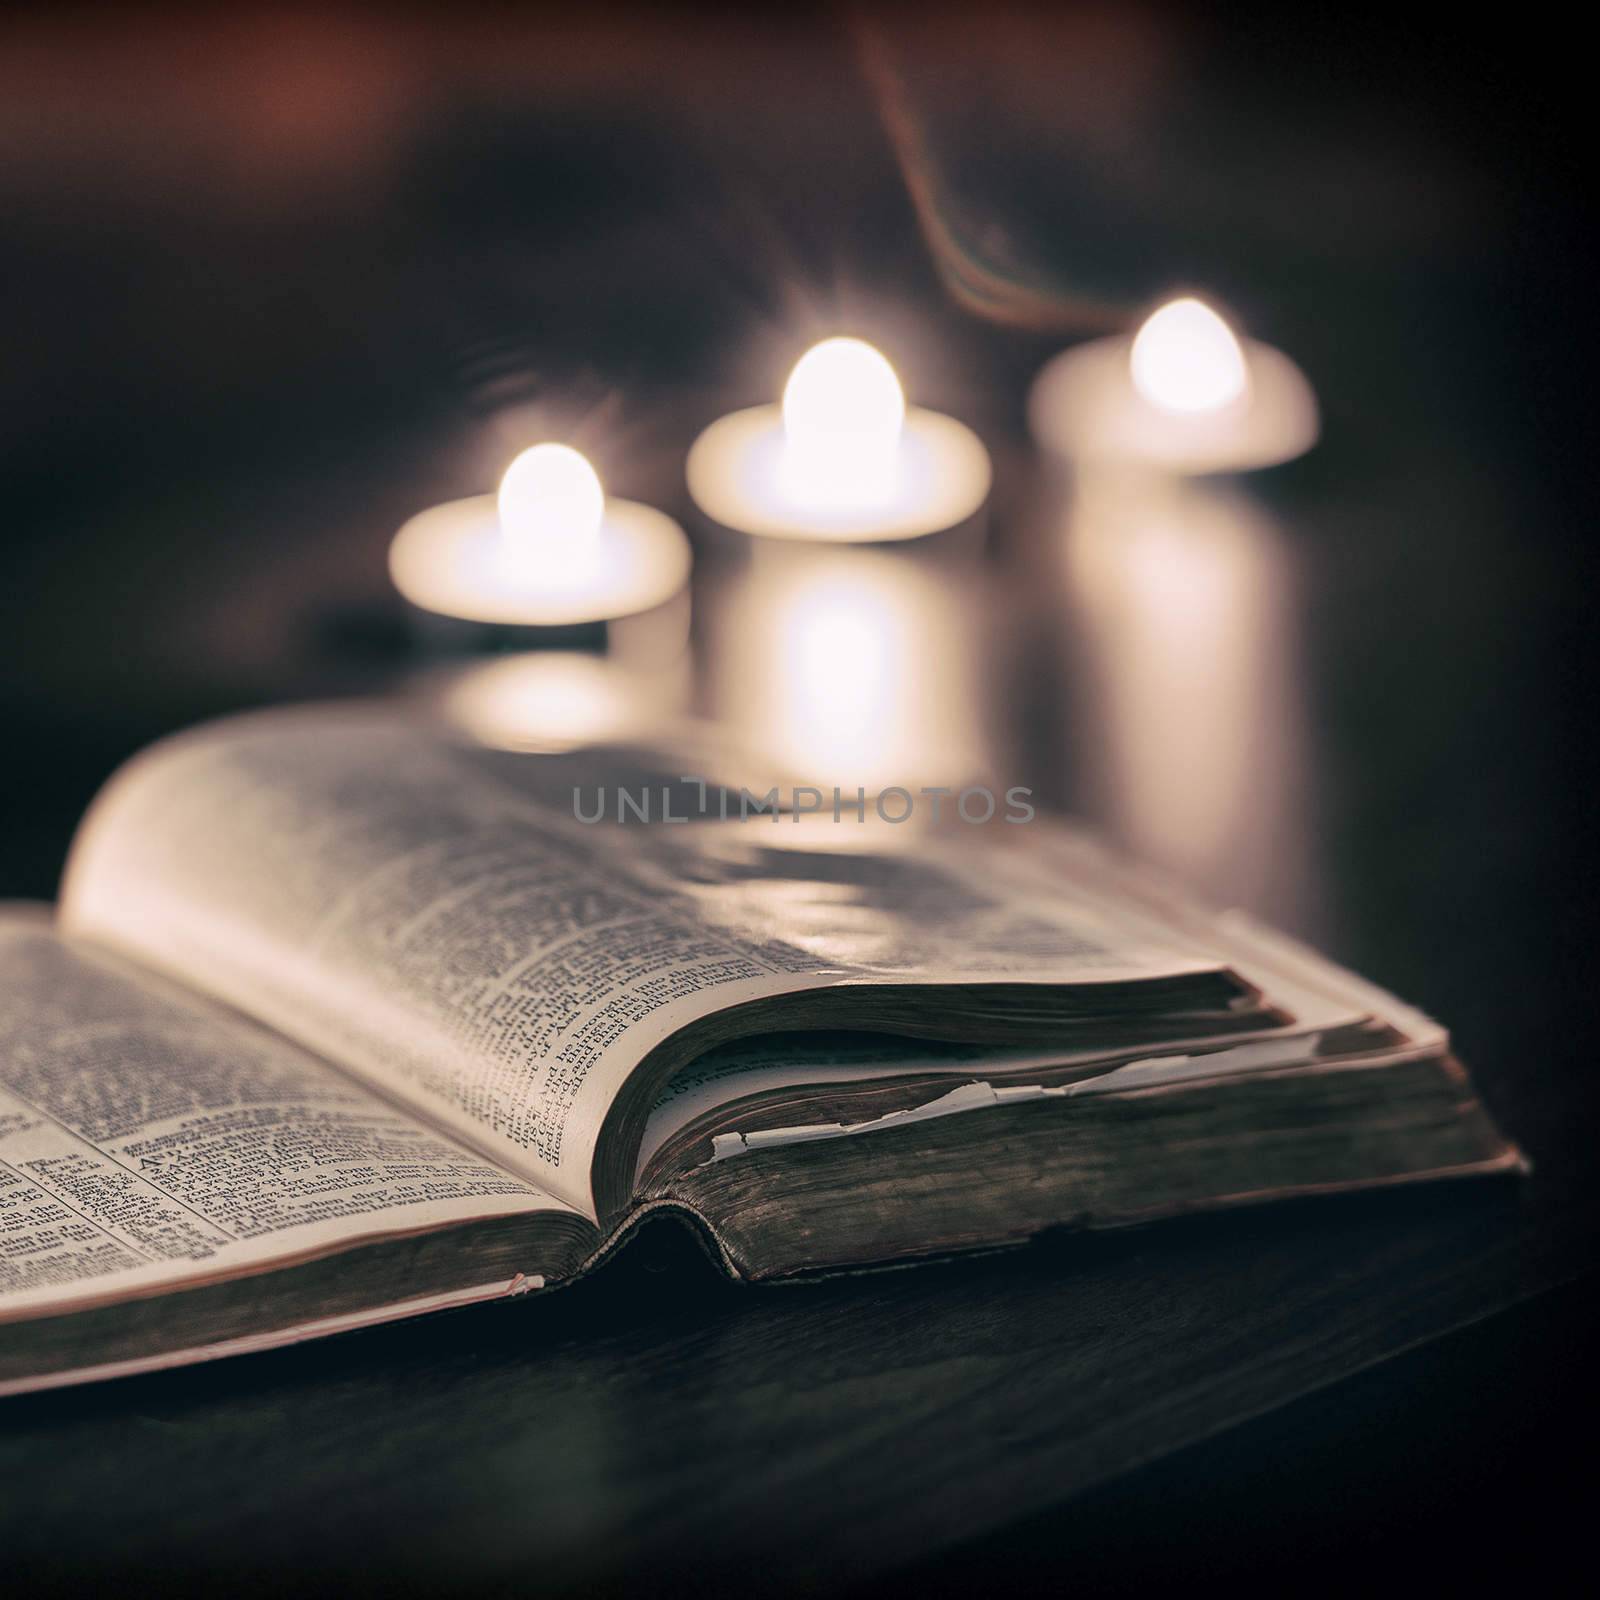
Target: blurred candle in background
1185,395
549,552
843,459
581,599
827,665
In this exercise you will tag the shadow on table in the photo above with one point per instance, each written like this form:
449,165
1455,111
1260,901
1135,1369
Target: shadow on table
660,1424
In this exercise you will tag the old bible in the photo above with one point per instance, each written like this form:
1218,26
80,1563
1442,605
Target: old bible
340,1020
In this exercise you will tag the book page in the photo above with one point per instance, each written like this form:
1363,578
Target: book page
411,910
1324,1000
150,1139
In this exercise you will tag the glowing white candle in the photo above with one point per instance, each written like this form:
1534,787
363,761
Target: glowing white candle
1184,395
843,459
549,550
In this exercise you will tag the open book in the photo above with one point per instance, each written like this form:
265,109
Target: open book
341,1021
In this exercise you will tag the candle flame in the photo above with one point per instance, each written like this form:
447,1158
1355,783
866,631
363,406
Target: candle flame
1185,359
551,507
843,411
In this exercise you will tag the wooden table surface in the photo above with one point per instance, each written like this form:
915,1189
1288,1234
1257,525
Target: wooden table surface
1357,709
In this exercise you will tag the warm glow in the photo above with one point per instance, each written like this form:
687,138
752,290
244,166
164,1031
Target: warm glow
877,675
841,643
550,700
1185,359
843,387
1199,767
843,410
551,507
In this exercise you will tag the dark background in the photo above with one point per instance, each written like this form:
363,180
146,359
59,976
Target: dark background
273,280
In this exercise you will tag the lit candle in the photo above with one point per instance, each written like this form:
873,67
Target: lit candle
1184,395
548,554
842,459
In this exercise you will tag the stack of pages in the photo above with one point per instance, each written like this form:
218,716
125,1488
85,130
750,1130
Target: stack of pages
340,1021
